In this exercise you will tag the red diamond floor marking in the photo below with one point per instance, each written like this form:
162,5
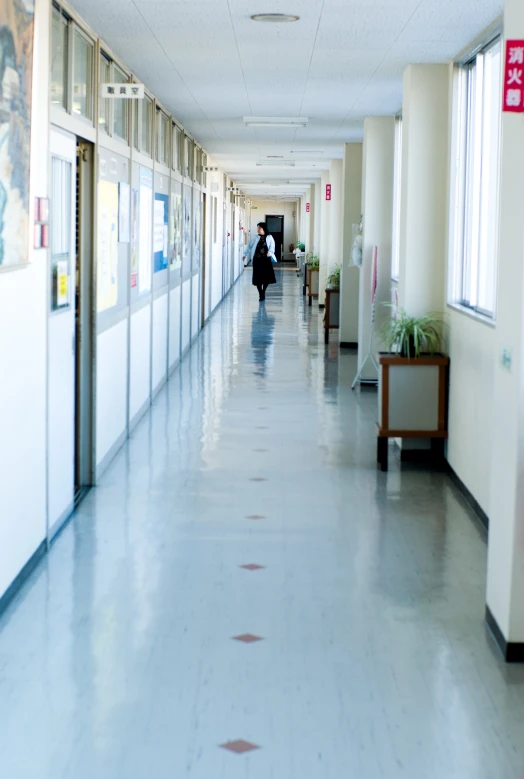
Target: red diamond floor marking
256,516
258,478
247,638
253,567
239,747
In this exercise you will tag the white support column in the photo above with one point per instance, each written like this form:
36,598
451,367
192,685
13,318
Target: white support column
316,201
306,235
505,589
349,289
336,214
377,206
424,196
324,236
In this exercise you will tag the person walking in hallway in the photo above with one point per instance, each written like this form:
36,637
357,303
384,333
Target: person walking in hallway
263,273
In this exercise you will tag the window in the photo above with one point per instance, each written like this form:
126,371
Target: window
197,176
121,107
83,50
105,78
178,149
146,144
204,165
188,158
476,196
136,124
397,194
59,57
162,138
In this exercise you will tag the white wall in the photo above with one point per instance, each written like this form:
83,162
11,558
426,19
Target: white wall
471,413
23,323
160,315
111,388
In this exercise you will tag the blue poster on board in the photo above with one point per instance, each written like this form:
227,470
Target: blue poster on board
161,231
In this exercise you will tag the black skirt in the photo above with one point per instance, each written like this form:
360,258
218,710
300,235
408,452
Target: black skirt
263,273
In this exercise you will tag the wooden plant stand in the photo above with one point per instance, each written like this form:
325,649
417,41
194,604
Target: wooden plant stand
413,402
332,312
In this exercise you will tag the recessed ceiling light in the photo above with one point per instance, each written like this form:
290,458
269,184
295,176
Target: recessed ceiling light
278,163
275,18
302,151
275,156
275,121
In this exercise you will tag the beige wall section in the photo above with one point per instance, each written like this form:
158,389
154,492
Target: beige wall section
261,208
23,349
506,538
377,207
424,212
316,205
349,291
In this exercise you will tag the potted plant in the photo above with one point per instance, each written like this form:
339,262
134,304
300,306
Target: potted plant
312,269
333,280
412,383
412,336
332,312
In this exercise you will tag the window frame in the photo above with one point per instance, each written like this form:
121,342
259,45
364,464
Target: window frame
468,170
74,28
162,143
65,22
115,68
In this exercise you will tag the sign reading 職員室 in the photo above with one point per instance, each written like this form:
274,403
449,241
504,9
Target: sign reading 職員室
514,77
122,90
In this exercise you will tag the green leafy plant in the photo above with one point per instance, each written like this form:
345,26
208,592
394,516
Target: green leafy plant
301,246
413,336
333,280
313,260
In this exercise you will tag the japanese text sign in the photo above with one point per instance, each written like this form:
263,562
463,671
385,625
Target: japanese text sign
122,90
514,77
328,191
308,208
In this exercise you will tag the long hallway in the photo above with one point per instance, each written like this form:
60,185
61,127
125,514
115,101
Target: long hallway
246,596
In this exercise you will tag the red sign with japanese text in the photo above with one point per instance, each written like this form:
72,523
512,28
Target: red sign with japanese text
328,191
308,208
514,77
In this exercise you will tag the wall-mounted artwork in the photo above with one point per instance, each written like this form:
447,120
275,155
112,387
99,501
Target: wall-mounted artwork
16,72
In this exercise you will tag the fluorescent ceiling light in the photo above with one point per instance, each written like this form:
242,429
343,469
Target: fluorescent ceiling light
275,121
275,18
277,163
301,151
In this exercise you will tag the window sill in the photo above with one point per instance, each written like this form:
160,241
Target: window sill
469,312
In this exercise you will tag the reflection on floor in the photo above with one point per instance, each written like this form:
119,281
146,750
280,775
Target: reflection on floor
246,596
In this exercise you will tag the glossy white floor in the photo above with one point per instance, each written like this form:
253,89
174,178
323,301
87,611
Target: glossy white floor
117,660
